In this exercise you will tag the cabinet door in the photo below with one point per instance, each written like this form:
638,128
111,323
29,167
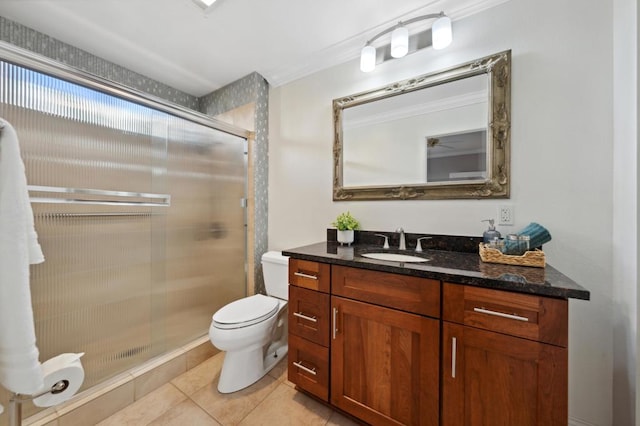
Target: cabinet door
494,379
384,364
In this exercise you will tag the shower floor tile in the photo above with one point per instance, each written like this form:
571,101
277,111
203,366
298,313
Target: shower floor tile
193,399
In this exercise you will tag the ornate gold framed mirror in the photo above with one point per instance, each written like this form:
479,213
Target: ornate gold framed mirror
444,135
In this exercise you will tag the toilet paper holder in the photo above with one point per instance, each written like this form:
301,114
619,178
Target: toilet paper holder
60,374
16,400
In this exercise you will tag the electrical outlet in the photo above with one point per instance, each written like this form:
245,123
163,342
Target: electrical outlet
505,215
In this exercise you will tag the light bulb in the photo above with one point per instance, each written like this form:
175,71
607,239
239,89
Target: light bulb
441,35
399,42
368,58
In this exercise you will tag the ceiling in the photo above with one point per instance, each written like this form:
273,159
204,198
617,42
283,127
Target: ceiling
177,43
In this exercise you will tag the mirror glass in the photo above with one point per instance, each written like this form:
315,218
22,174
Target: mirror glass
442,135
421,131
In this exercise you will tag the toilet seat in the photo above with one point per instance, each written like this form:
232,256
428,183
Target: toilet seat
245,312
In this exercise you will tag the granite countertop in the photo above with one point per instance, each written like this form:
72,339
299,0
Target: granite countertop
447,265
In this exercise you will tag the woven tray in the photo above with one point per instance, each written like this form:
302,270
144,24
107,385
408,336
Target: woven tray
533,258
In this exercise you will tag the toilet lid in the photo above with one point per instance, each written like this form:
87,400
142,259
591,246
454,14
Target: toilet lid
247,311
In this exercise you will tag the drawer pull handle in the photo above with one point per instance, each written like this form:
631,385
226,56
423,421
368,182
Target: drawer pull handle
302,367
300,274
454,347
305,317
335,322
500,314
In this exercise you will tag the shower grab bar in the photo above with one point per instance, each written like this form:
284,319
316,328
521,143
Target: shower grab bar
164,200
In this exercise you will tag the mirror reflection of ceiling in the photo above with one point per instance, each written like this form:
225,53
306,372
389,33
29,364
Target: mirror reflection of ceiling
178,44
455,94
386,142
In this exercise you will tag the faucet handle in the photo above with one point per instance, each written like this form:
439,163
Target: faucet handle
386,240
419,244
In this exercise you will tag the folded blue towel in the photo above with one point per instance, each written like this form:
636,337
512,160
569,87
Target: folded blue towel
538,235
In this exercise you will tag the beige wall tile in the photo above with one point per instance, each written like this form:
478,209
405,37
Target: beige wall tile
230,409
148,408
286,406
205,374
183,414
99,408
153,379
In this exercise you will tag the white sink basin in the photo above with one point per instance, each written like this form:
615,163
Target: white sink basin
394,257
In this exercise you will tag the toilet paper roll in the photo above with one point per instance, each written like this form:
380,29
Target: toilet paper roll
65,368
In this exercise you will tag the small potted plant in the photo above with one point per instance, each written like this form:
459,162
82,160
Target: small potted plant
346,224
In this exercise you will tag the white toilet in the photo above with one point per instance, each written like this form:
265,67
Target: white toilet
253,330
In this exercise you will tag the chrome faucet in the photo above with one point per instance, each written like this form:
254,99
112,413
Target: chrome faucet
403,244
419,241
386,240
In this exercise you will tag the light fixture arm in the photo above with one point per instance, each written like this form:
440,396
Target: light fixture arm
403,23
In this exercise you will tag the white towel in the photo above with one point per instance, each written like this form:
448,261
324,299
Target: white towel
20,370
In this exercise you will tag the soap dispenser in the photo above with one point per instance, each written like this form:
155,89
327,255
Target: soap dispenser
490,233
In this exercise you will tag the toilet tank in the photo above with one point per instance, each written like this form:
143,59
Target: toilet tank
275,270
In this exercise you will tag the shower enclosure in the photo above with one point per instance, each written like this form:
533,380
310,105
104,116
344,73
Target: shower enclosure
140,214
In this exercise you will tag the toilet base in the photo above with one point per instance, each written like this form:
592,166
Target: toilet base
242,369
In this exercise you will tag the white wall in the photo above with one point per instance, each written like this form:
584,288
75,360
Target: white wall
625,211
562,157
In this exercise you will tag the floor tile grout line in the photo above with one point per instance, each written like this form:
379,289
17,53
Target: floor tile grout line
168,408
263,399
205,411
187,398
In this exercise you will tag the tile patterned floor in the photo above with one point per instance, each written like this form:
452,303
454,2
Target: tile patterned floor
192,399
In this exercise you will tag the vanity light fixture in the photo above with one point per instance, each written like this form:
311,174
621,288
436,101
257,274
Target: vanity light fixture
399,42
204,4
441,37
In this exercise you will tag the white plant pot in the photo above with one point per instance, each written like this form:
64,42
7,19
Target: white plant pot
345,237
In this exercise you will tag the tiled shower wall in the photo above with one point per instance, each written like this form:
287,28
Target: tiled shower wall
252,88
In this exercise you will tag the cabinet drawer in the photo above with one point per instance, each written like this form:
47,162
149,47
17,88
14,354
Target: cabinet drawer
411,294
542,319
309,366
311,275
309,314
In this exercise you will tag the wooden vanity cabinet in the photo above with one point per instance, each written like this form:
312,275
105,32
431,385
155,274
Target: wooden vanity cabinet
385,356
309,323
504,358
393,349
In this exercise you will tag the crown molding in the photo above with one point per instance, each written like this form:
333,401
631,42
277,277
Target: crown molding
349,49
